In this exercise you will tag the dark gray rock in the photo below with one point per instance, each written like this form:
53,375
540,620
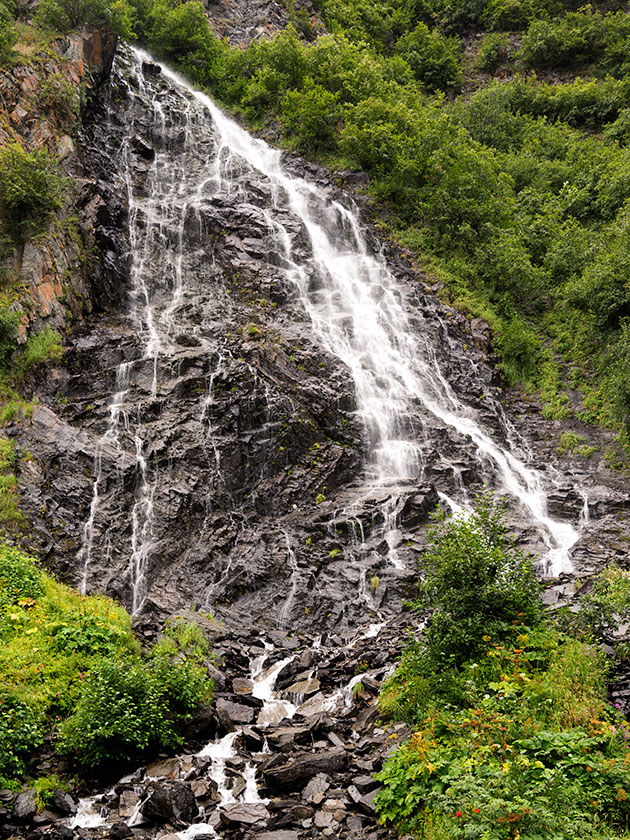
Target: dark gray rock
120,830
230,714
63,802
25,806
170,802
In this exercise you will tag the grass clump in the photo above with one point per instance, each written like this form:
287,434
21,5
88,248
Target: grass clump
513,735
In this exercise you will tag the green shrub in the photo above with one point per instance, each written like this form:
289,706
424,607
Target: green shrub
57,95
20,577
494,52
68,15
619,130
576,38
476,583
20,733
311,115
45,788
31,189
519,350
513,736
127,708
8,33
121,713
604,607
40,347
516,14
434,59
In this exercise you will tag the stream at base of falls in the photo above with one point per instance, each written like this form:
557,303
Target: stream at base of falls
295,745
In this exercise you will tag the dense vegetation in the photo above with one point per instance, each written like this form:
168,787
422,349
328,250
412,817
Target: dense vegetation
71,666
513,736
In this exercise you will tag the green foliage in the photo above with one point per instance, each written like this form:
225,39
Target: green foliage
9,323
578,38
20,733
31,189
45,787
434,59
569,442
516,14
8,33
311,115
40,347
71,657
520,351
568,41
513,736
57,95
9,512
127,708
605,606
20,577
475,582
494,52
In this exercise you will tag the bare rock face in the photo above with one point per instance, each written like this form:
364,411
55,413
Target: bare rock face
170,802
242,21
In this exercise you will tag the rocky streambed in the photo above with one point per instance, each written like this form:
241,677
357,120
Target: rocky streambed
288,751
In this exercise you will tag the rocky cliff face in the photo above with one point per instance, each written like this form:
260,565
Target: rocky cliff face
59,275
199,445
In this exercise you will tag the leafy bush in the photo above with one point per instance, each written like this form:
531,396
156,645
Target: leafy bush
31,189
494,51
434,59
604,607
572,40
514,738
8,33
122,712
311,115
57,95
20,733
9,323
476,583
40,347
73,657
519,351
578,38
127,708
516,14
20,577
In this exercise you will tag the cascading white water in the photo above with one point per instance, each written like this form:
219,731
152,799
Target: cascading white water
358,314
355,306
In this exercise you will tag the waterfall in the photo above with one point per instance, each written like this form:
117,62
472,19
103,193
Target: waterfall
357,310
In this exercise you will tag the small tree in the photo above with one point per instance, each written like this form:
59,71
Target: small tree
31,189
477,583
